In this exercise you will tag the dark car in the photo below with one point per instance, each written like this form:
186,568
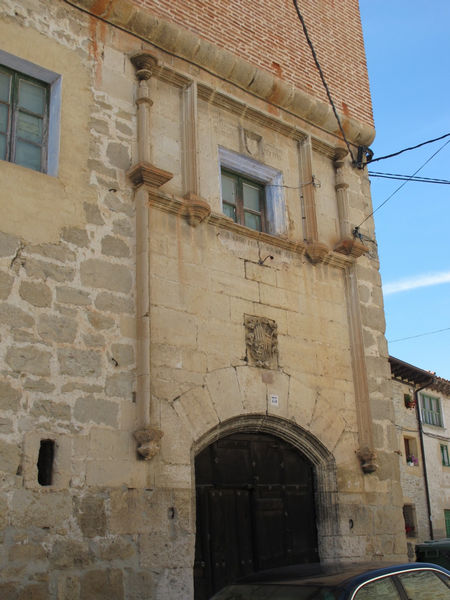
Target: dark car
435,551
377,581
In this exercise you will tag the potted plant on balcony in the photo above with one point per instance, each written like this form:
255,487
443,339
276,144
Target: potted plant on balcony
410,401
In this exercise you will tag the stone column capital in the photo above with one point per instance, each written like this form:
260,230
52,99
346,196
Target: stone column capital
145,64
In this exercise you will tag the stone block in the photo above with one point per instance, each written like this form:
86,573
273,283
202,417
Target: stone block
34,591
123,227
70,295
173,327
115,204
91,516
94,340
38,385
53,251
261,273
27,552
105,444
76,236
102,585
9,457
6,282
8,244
157,550
68,587
6,426
115,549
31,508
139,584
8,591
93,410
29,359
196,409
99,321
57,329
9,396
50,410
93,214
120,385
123,354
254,392
79,363
45,270
112,246
98,273
301,402
175,583
14,317
116,304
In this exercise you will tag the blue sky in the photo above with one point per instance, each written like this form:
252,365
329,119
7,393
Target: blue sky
408,49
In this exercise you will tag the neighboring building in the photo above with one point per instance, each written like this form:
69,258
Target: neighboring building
422,418
194,376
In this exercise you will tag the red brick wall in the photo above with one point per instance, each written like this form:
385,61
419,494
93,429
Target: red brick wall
269,34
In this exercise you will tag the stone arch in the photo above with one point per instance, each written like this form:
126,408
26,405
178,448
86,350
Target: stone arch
324,466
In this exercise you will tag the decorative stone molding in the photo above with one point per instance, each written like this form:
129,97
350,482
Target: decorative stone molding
196,209
316,252
148,439
367,458
144,173
262,341
170,37
351,247
145,64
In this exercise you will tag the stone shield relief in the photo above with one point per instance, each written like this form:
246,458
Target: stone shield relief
261,341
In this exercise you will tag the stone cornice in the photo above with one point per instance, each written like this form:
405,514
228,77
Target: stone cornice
181,206
185,44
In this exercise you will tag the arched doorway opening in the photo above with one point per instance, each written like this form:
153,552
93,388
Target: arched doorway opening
255,508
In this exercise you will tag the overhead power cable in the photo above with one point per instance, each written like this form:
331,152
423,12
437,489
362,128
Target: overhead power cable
356,229
411,337
410,148
408,178
322,77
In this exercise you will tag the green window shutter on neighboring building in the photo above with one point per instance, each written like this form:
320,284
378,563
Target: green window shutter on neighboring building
447,522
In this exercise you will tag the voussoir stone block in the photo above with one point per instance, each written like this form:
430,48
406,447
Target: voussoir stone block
101,274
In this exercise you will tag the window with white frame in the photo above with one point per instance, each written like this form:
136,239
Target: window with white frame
29,114
252,193
431,411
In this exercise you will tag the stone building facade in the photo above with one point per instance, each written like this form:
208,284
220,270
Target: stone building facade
146,335
421,406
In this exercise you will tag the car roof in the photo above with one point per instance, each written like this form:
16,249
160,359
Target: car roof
335,574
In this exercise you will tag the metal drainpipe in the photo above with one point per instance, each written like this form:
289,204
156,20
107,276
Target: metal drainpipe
422,448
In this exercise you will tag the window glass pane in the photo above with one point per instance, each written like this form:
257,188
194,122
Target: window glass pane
4,110
420,585
29,127
252,221
32,97
251,195
230,211
2,147
5,86
28,155
228,189
381,589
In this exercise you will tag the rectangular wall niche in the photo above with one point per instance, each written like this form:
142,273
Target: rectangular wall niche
45,462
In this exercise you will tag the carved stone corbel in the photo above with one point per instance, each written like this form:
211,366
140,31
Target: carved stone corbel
144,173
196,209
351,247
367,458
316,251
148,442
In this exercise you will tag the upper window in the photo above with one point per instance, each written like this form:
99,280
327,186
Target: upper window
431,411
445,456
243,200
30,107
252,193
24,104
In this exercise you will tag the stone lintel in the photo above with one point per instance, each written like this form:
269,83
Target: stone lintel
351,247
144,173
148,442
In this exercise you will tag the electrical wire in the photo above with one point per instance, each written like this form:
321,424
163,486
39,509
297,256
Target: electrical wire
322,77
410,148
408,178
411,337
356,229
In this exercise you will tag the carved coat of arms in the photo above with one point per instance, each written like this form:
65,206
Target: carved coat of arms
262,342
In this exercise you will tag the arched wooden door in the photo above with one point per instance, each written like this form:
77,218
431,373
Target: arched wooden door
255,509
